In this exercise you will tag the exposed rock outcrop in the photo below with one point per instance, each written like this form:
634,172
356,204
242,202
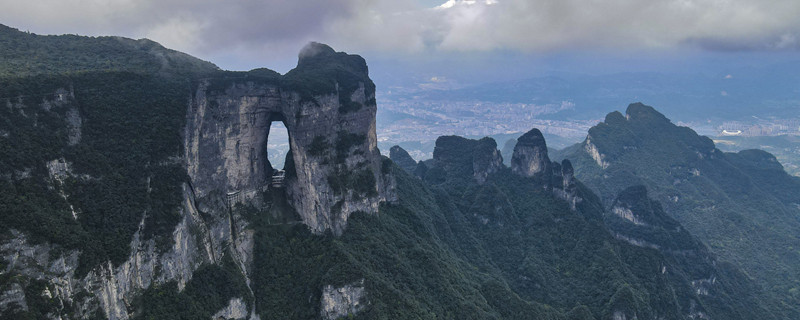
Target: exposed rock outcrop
530,160
564,183
108,288
486,159
456,157
637,219
342,301
530,155
236,309
328,106
334,169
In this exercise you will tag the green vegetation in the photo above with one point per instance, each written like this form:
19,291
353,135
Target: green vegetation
210,289
361,181
346,140
786,148
741,205
130,98
329,72
458,250
26,54
220,81
123,167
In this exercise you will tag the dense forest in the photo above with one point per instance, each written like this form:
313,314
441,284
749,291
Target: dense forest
742,205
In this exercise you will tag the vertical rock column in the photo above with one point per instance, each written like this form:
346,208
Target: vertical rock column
530,155
328,105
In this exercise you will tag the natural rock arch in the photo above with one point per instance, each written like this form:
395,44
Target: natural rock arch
328,106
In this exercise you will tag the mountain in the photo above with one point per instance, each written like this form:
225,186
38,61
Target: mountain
548,234
743,205
25,54
143,190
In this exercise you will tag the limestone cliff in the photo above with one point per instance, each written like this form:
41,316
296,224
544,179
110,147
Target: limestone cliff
327,104
342,302
455,157
530,154
530,160
333,169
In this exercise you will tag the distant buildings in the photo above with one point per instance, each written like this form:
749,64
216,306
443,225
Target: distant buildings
760,127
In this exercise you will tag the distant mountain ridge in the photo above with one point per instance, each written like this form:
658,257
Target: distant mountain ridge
743,205
677,94
142,190
26,54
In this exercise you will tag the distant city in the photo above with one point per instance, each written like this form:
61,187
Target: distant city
760,127
427,120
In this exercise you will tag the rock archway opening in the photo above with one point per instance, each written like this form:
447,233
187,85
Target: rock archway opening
278,146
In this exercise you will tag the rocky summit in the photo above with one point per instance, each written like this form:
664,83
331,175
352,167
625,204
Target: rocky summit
530,154
328,107
150,187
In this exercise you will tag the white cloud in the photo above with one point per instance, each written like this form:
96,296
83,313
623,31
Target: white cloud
279,27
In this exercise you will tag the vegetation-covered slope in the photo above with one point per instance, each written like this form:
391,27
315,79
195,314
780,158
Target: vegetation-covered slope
743,205
786,148
502,250
24,53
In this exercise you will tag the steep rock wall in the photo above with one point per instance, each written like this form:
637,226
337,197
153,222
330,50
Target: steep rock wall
328,106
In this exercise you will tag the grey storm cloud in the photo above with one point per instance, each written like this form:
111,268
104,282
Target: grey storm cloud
280,27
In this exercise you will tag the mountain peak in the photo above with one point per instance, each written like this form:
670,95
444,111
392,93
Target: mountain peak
315,49
641,112
530,154
460,157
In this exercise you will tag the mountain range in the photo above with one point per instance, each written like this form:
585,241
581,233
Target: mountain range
135,184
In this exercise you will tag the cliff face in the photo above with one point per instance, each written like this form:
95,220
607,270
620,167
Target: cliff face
328,106
530,160
107,289
334,169
457,157
530,155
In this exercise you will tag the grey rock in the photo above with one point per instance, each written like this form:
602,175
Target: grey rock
13,298
236,309
112,288
565,185
335,167
225,152
343,301
530,155
486,159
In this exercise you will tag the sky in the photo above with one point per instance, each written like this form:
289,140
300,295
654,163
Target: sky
245,34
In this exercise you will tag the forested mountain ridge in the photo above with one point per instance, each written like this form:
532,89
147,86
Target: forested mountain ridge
743,205
143,191
26,54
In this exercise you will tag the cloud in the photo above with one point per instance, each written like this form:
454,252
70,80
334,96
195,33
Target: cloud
278,28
